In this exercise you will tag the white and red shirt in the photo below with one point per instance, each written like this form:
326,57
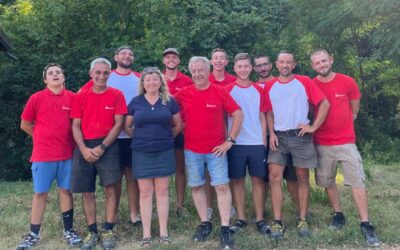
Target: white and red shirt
262,84
203,115
228,79
97,111
251,102
289,101
134,76
338,127
180,81
52,135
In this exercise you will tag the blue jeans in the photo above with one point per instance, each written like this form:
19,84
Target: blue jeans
196,164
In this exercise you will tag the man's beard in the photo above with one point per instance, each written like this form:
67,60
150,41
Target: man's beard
124,66
326,73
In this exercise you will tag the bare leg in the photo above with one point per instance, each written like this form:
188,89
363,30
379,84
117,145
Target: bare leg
303,190
209,191
333,196
293,190
111,202
240,196
66,200
275,180
162,199
180,177
146,190
200,201
38,207
258,196
132,191
224,198
118,192
89,207
361,200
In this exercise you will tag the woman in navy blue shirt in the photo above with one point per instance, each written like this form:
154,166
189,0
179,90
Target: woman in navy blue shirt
153,121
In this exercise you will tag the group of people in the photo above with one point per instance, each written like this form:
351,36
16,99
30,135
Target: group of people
209,130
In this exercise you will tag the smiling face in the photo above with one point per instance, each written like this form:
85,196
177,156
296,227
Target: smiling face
54,77
124,58
322,63
242,69
171,61
200,73
152,83
263,67
219,61
100,73
285,64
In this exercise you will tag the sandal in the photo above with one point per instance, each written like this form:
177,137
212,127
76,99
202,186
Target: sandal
165,239
146,242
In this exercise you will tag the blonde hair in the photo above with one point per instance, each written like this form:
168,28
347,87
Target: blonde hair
164,93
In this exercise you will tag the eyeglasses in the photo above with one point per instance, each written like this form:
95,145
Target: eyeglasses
264,65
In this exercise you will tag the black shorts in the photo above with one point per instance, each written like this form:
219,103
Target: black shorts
241,157
84,173
179,141
125,153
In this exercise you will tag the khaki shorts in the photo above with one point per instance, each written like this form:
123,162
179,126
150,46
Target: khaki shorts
348,156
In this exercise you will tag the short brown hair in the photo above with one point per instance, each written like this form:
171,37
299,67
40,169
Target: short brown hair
219,50
51,65
318,51
286,52
242,56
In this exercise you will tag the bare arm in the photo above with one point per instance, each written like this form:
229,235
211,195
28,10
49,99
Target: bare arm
87,153
128,125
273,139
355,108
237,119
177,125
263,121
27,127
323,109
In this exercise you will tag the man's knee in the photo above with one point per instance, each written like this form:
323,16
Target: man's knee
222,189
88,197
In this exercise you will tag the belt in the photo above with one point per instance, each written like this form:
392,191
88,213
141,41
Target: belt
289,132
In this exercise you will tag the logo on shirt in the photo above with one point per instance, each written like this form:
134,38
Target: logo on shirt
339,95
66,108
108,108
178,88
211,105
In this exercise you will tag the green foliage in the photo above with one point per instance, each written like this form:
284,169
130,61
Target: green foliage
363,36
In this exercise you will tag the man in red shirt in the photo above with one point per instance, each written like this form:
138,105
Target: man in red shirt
46,119
98,114
219,61
335,142
203,107
176,81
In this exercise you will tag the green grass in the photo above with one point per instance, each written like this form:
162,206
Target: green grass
384,205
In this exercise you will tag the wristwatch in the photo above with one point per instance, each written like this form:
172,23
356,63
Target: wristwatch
231,140
103,146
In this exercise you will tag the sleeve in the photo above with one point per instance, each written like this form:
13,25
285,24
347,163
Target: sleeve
354,91
76,110
267,100
120,104
131,107
230,105
174,106
260,91
314,94
29,113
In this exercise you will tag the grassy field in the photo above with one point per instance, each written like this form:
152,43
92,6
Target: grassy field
384,203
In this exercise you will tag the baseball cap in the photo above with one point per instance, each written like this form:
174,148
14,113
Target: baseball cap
171,50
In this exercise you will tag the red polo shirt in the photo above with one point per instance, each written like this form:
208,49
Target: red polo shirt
181,80
227,79
52,135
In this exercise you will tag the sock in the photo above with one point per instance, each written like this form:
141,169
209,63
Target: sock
93,228
35,229
108,226
68,218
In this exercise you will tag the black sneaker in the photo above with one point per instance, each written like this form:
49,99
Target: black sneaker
226,240
338,221
369,234
202,231
72,238
238,226
29,241
263,228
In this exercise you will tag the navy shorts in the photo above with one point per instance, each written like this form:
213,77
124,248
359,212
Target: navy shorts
84,173
241,157
125,153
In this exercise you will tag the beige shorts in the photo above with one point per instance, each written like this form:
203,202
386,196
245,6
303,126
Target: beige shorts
348,156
